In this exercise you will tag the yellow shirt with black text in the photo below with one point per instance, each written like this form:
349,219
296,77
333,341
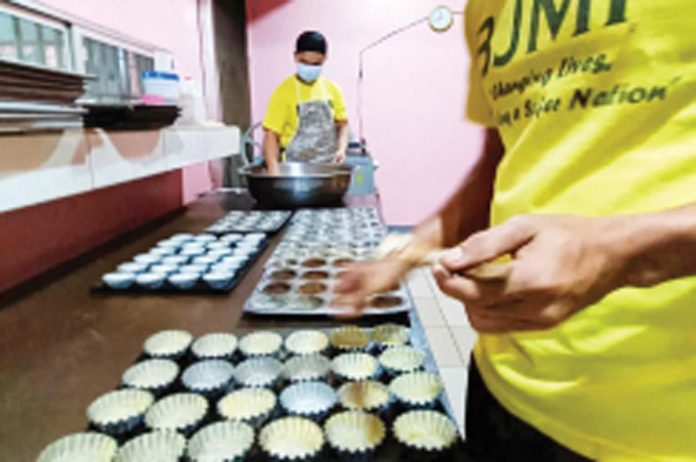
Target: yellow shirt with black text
596,105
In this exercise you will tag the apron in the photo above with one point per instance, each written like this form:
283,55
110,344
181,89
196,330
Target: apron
315,139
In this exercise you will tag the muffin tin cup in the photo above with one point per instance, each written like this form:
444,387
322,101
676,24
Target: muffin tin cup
417,390
306,342
210,378
215,346
162,446
306,368
91,446
425,435
154,375
312,400
254,406
349,339
355,435
119,412
264,372
168,344
181,412
401,360
228,441
390,335
354,367
292,439
261,344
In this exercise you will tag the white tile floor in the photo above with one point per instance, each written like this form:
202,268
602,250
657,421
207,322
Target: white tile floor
450,336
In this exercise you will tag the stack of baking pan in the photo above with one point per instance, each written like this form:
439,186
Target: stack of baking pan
249,221
346,394
188,263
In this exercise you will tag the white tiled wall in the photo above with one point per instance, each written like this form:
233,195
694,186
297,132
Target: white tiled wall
450,336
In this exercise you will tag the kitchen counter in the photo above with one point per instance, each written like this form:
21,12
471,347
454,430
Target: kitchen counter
61,345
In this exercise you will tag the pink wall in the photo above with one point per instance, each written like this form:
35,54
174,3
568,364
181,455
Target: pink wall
168,24
414,89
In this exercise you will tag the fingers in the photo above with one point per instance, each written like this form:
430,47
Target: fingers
490,244
468,290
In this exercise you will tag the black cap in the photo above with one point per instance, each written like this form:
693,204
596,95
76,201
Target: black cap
311,41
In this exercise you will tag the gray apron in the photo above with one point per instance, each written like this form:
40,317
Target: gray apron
315,139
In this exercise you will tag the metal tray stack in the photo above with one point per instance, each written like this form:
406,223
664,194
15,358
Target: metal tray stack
251,221
184,357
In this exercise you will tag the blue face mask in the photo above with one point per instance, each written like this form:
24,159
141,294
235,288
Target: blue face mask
308,72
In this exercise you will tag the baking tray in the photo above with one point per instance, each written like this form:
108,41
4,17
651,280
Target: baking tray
250,221
200,286
389,451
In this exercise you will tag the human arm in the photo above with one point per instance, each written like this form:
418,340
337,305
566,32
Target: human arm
464,213
271,151
342,137
563,264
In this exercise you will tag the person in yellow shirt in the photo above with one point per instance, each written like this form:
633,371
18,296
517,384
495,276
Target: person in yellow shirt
306,119
586,193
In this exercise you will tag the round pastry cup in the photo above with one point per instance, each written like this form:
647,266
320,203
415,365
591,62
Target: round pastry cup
181,412
209,377
251,405
349,338
292,439
155,375
183,281
401,360
215,346
308,399
120,411
221,441
303,342
391,335
162,446
80,447
151,281
417,389
304,368
258,372
368,396
354,434
429,432
262,343
168,344
355,366
118,281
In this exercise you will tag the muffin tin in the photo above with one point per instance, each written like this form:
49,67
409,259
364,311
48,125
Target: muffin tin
250,221
187,263
253,421
336,225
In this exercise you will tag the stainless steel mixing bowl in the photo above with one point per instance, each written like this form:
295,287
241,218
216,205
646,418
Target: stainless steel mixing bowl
299,185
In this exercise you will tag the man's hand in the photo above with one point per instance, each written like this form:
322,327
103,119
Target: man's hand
365,279
340,157
560,265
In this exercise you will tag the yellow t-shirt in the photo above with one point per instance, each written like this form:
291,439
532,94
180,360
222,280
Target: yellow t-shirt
596,105
282,116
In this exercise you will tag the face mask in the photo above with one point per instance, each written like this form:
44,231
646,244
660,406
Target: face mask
308,72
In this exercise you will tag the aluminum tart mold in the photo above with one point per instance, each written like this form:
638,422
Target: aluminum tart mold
350,367
313,400
311,367
368,396
258,372
181,412
170,344
261,343
429,432
349,338
292,439
119,412
227,441
160,446
154,375
401,360
417,389
355,434
209,377
80,447
219,345
251,405
391,335
304,342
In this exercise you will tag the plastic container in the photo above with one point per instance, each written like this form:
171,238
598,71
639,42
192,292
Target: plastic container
161,87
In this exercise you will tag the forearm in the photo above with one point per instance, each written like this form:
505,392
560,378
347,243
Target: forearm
342,136
657,247
271,150
467,211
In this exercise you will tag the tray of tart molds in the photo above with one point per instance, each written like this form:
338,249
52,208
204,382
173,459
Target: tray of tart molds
249,221
187,263
336,225
299,280
325,395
